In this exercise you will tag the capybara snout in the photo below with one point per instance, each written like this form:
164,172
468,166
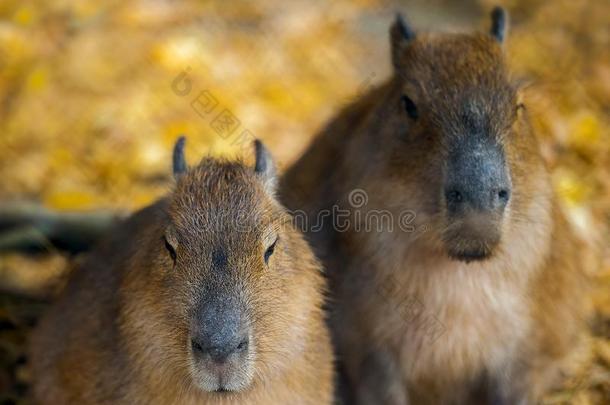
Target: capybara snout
219,330
476,179
220,337
476,190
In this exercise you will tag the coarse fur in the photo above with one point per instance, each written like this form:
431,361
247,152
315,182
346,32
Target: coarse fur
121,331
413,319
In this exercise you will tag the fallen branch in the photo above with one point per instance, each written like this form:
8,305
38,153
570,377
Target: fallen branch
31,228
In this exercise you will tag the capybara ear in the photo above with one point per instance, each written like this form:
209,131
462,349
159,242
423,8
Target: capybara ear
400,35
499,23
171,241
265,166
178,161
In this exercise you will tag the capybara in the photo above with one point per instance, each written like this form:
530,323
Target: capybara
208,296
475,294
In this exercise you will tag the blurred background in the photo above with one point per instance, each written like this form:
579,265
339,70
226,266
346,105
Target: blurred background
93,95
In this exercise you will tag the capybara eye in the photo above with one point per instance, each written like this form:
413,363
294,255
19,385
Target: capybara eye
409,106
270,251
170,250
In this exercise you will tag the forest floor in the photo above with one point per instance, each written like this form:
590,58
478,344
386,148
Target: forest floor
90,106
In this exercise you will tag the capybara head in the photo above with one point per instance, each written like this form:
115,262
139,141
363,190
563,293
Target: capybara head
452,114
234,280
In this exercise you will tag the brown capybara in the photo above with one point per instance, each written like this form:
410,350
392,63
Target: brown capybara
208,296
471,294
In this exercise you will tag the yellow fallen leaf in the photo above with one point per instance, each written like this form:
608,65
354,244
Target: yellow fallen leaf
569,187
38,79
586,132
24,15
179,53
70,200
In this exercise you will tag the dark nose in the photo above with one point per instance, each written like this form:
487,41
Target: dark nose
477,178
219,350
220,330
461,197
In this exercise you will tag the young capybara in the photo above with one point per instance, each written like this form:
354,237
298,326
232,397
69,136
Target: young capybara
208,296
476,298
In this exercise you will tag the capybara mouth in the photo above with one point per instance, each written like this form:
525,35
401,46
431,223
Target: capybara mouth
229,376
470,255
468,244
222,382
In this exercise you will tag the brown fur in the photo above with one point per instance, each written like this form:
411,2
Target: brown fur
119,333
409,322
